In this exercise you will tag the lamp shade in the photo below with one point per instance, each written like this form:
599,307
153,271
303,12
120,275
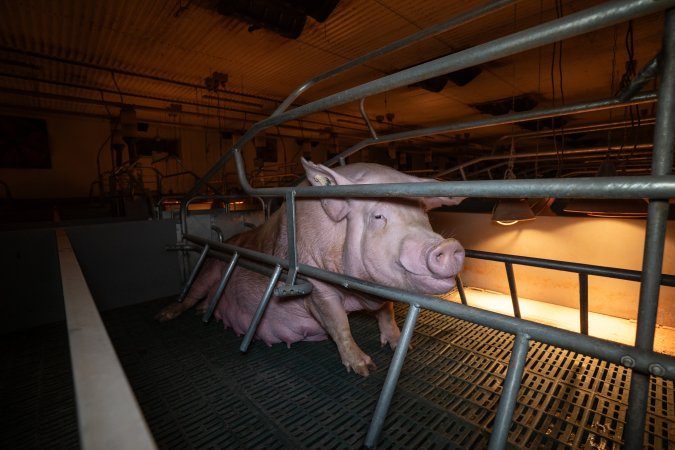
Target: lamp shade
509,211
609,207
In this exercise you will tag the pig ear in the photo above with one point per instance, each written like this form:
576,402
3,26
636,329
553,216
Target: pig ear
319,175
437,202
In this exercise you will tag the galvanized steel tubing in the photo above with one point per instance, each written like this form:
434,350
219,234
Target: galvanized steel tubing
603,15
642,360
659,186
664,136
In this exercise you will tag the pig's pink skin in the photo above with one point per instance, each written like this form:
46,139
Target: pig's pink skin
388,241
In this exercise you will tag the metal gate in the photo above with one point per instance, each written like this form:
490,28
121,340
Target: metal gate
659,187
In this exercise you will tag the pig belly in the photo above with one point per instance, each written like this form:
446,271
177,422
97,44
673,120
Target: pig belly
285,319
282,321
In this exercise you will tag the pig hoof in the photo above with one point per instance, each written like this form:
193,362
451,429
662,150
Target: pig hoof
362,365
169,313
391,339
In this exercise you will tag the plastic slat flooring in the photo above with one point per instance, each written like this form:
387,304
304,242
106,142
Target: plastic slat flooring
37,398
197,390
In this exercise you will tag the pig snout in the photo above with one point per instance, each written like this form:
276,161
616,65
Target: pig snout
431,268
446,259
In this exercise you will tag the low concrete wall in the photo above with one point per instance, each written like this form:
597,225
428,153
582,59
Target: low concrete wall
606,242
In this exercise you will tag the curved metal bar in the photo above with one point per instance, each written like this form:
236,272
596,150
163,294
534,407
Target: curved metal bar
597,105
401,43
642,360
591,19
362,108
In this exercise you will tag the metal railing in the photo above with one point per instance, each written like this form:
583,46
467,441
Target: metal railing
583,270
658,187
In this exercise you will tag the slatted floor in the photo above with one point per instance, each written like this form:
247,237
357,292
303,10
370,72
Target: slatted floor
197,391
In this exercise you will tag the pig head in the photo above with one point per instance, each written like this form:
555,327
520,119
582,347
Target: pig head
383,240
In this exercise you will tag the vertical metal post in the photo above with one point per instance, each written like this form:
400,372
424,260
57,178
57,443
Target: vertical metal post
221,287
292,242
392,377
512,289
193,274
460,289
583,303
507,404
652,262
255,320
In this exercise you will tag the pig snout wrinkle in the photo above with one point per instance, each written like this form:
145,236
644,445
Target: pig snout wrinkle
446,259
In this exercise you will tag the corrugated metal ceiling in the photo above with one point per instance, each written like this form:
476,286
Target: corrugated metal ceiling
89,57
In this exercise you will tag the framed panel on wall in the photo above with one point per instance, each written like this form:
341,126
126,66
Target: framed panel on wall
24,143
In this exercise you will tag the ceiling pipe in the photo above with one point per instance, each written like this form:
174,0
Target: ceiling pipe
91,101
645,156
580,108
128,73
578,129
434,30
170,100
565,153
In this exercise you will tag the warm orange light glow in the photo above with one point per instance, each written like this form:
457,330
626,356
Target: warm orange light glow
507,223
599,325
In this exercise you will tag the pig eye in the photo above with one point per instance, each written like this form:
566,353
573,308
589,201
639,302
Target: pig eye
379,220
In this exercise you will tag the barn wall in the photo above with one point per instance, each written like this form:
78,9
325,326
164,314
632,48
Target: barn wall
75,142
606,242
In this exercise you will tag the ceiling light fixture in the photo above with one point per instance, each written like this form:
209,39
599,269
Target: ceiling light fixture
510,211
608,207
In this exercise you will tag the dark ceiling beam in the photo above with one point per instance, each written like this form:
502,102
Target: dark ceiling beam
159,79
105,103
183,102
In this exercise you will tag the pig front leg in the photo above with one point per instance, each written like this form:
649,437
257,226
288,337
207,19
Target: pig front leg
389,331
328,310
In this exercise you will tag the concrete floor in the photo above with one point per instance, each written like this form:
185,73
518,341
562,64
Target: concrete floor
600,325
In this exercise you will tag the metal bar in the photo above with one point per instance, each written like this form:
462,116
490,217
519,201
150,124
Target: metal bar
362,108
597,105
539,154
292,244
603,15
401,43
460,289
392,377
591,187
583,303
652,262
512,289
645,361
648,73
255,320
107,412
221,287
507,403
193,274
589,269
591,19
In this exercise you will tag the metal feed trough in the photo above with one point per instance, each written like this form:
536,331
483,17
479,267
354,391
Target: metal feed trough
659,188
